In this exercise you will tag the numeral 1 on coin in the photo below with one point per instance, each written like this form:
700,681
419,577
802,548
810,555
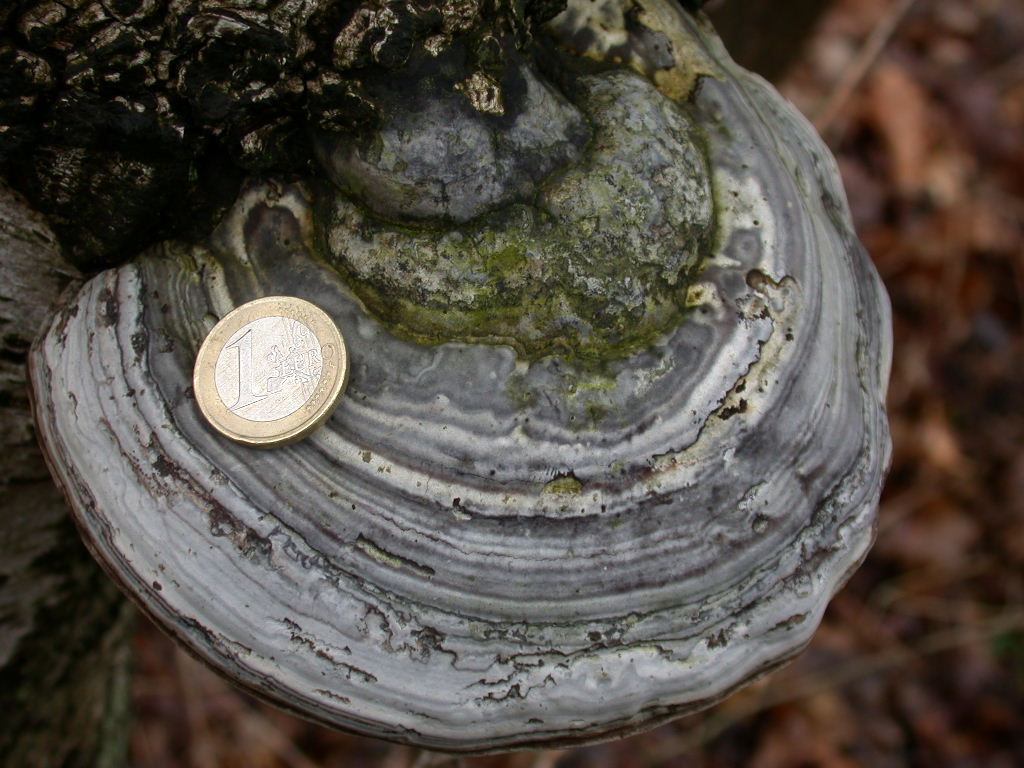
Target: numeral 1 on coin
247,394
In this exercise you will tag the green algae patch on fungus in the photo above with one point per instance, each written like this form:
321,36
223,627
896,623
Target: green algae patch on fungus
594,267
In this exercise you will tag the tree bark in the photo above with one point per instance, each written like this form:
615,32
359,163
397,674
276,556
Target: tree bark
767,36
64,628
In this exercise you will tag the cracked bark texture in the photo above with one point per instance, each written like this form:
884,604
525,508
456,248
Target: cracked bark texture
63,626
146,113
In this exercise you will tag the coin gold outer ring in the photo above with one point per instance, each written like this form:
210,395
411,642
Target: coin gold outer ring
312,414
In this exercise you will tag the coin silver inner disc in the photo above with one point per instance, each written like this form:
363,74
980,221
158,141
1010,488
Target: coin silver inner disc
268,369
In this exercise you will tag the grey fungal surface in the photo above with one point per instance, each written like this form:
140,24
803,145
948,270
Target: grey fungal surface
498,543
436,156
595,263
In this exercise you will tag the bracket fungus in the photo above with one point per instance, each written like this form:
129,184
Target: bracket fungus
614,432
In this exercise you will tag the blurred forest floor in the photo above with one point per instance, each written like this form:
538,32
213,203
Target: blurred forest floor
920,659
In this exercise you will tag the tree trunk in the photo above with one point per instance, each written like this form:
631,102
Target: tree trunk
64,628
767,36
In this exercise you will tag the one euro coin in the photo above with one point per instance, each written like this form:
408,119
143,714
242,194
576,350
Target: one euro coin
271,371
